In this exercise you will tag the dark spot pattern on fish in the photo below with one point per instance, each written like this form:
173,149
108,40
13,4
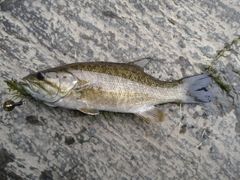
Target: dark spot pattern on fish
128,71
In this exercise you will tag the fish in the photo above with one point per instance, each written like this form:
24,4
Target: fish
91,87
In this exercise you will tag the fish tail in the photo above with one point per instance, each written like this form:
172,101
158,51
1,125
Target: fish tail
197,89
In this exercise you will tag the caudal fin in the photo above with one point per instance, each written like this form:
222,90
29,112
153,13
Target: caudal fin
197,89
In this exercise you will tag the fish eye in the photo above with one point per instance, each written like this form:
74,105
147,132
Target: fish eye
40,76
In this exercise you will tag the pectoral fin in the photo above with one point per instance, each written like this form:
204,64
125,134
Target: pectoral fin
153,115
89,111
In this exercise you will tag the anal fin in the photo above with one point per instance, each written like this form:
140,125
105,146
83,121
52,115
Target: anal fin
89,111
153,115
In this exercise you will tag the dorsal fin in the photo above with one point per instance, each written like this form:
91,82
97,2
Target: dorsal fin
141,62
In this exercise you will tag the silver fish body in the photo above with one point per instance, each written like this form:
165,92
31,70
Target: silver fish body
118,87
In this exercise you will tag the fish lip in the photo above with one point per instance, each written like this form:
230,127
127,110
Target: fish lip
25,84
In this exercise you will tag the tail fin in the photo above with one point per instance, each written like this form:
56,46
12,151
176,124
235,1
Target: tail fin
197,89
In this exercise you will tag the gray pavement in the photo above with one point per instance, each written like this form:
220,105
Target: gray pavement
194,142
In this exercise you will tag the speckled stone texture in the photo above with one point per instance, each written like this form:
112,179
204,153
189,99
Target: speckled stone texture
194,142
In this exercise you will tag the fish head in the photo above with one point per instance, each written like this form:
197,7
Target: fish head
49,86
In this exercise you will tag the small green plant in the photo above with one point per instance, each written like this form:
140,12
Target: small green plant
224,86
212,71
16,90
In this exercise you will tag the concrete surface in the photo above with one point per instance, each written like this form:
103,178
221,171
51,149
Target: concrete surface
198,142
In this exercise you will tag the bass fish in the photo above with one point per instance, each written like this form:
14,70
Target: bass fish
118,87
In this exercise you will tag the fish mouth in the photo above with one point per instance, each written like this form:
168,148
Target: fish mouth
34,90
26,85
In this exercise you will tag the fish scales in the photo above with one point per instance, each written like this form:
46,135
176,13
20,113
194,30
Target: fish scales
123,70
115,93
119,87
